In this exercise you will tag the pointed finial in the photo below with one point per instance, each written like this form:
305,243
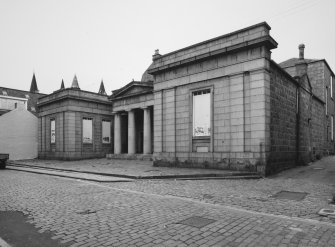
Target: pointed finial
33,86
75,83
102,88
62,85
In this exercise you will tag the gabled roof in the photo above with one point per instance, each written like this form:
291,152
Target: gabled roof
293,61
132,89
32,97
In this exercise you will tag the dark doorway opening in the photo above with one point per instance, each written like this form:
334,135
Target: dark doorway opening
124,133
139,130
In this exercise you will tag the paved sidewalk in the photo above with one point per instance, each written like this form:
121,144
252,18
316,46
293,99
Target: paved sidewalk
135,169
68,174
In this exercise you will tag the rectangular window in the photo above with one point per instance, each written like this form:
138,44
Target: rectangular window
106,131
331,86
87,130
53,131
332,128
326,101
202,113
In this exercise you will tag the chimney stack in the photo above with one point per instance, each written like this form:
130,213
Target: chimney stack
156,55
301,51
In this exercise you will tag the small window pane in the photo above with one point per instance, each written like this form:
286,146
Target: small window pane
53,130
87,130
106,131
201,113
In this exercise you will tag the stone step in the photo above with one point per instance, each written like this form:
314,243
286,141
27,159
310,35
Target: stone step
146,157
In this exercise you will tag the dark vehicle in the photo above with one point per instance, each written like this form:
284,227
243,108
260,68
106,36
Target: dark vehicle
3,160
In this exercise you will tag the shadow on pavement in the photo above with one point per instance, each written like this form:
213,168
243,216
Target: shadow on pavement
16,231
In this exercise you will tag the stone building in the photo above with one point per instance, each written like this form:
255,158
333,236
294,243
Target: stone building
11,99
75,124
222,103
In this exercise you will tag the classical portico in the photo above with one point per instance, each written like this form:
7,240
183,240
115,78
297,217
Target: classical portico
133,131
133,119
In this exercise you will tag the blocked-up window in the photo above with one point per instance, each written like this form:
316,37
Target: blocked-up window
53,131
202,113
106,131
87,130
332,128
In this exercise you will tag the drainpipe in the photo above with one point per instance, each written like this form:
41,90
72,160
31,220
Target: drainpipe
298,126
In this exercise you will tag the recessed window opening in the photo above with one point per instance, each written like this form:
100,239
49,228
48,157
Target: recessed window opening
201,113
53,131
87,130
106,131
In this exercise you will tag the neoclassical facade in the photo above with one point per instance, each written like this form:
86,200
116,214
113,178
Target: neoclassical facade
222,103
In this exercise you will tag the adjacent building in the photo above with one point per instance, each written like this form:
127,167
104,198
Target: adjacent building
18,122
222,103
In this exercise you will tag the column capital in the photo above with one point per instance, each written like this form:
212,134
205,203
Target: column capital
146,107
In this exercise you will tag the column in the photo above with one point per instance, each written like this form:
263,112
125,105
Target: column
146,131
117,133
131,132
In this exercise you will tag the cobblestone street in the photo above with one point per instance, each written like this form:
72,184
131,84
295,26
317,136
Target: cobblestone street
151,213
254,195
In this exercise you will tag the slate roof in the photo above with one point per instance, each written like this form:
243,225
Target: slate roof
293,61
32,97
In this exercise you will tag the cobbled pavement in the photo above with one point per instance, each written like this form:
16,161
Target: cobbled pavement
149,213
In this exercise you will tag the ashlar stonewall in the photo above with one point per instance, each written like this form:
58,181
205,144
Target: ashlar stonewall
222,103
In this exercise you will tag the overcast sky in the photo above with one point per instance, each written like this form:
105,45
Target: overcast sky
114,40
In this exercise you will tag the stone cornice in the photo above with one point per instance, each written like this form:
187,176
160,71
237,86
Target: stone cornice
267,40
80,96
262,24
131,95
